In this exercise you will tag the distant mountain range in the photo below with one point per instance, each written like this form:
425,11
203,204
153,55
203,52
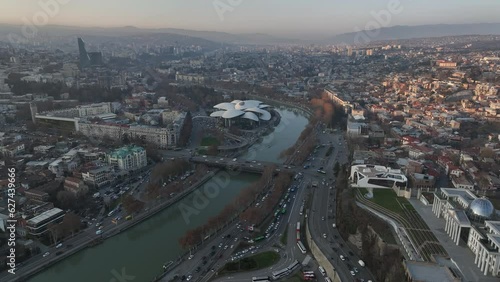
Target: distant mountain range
421,31
215,38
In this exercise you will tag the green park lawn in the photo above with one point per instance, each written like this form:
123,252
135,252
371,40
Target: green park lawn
387,198
209,141
255,262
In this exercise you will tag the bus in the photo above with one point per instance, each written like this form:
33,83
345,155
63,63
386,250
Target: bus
260,238
258,279
280,274
294,265
301,247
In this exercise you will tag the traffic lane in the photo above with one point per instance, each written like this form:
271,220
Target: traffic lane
341,269
39,260
319,227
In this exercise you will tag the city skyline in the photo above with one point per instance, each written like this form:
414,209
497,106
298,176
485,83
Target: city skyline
277,18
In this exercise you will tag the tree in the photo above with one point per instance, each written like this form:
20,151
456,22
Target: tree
71,223
131,204
483,183
212,150
66,199
55,232
487,153
336,168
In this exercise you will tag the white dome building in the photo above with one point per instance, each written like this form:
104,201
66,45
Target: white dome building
251,110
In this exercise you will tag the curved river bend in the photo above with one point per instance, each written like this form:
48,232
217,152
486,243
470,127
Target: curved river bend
143,249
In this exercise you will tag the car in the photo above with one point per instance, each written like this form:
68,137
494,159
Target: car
352,273
59,245
342,257
98,232
189,277
46,254
220,245
58,253
225,247
191,257
356,270
324,235
322,218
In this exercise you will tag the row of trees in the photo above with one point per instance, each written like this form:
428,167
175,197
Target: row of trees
385,262
131,204
154,190
256,215
69,226
239,204
163,171
303,147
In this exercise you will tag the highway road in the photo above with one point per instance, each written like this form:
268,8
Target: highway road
322,216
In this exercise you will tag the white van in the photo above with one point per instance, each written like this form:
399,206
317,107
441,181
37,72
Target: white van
322,270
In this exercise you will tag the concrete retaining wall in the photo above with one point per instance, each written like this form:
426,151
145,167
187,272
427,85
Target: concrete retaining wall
321,258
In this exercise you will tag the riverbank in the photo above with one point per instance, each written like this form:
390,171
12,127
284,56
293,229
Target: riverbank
125,225
272,145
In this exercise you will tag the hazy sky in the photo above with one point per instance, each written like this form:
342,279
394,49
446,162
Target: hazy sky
278,17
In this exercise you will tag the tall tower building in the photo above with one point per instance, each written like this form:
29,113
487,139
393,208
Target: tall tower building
84,56
34,111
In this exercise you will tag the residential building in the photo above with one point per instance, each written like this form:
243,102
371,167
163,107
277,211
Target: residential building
36,195
76,186
97,177
128,158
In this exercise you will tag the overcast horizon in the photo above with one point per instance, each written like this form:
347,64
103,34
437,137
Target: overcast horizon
289,18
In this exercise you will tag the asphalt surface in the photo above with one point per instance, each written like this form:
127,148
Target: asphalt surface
323,207
322,216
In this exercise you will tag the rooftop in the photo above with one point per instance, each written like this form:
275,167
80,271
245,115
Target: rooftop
378,171
45,215
125,151
427,271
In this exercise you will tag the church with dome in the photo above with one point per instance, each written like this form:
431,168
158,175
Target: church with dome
471,220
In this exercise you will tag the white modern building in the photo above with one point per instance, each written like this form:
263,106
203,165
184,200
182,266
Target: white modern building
471,220
376,176
249,109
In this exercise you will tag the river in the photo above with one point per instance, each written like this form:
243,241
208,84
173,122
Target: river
143,249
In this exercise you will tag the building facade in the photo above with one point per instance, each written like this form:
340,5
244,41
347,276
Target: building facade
37,225
128,158
470,219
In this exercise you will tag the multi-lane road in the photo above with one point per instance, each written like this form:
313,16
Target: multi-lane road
321,217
